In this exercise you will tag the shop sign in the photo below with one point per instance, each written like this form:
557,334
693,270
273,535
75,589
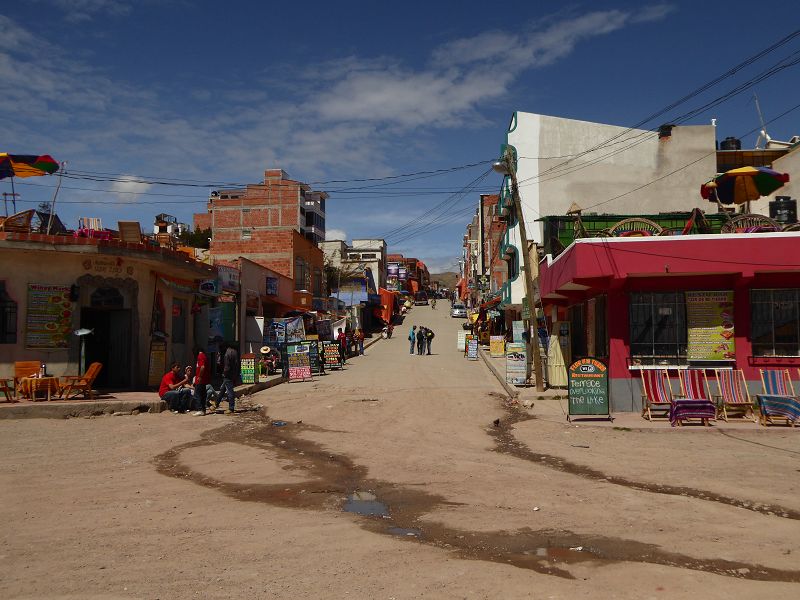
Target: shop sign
247,368
526,309
588,388
229,278
107,265
333,357
209,287
709,320
402,273
517,329
158,362
461,340
472,347
49,317
272,286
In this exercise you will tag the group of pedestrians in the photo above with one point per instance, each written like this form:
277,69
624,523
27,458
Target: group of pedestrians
422,337
195,394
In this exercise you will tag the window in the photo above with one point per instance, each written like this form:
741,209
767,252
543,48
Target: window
178,321
658,328
300,274
8,317
317,283
775,322
368,256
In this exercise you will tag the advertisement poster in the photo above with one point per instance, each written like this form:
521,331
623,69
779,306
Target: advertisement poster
497,346
274,332
295,330
49,322
299,362
516,364
709,320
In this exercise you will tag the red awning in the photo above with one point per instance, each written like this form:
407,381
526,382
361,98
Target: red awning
490,303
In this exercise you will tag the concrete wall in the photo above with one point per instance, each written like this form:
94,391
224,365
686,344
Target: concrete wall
790,163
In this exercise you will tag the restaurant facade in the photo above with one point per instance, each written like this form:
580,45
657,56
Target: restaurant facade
714,301
140,306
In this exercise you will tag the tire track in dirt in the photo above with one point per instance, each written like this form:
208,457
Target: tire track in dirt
506,443
334,477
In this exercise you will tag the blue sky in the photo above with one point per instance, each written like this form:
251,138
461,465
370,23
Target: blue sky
217,92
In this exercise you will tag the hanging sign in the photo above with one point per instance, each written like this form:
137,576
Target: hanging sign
588,388
516,364
526,309
299,362
247,368
497,346
709,321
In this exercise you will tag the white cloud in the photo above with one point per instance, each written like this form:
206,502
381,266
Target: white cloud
78,11
335,234
129,188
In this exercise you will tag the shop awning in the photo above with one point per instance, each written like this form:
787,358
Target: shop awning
491,302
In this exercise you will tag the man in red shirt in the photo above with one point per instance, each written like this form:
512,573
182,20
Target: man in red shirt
172,391
202,377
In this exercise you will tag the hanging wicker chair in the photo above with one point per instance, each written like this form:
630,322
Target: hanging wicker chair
635,226
750,223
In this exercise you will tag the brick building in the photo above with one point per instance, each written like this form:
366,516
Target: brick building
276,223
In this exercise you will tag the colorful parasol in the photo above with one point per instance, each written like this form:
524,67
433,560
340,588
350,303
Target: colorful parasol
26,165
744,184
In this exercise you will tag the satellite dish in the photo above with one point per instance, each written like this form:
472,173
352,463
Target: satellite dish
82,332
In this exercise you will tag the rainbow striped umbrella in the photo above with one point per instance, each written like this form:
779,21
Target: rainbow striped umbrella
744,184
26,165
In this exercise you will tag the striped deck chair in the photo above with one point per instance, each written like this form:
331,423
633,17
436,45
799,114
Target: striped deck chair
733,394
656,391
695,399
778,400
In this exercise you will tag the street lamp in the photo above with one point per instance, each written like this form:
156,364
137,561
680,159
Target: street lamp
505,166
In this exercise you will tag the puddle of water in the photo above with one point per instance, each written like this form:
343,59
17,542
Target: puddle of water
367,504
405,531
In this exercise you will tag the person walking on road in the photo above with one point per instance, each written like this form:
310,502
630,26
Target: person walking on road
412,334
433,304
341,337
202,377
230,372
428,339
359,339
421,340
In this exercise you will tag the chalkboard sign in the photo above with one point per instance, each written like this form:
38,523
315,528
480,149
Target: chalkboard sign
248,368
317,366
472,347
331,355
588,388
299,362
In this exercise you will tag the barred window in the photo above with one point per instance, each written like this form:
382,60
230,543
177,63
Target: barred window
8,317
658,328
775,322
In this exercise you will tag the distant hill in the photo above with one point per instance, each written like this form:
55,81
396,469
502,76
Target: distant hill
449,279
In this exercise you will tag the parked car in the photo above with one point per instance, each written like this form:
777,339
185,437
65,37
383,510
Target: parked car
459,311
420,299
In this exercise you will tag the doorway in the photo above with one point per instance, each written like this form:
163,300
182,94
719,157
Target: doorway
110,343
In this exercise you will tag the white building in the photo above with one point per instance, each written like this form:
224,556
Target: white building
602,169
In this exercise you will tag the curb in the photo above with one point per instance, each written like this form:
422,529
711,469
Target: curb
54,410
501,377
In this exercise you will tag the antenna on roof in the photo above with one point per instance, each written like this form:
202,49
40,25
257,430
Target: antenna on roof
762,135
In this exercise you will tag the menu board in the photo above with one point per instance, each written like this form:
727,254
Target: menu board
588,388
49,321
709,320
472,347
497,346
314,359
516,364
299,362
331,355
461,342
158,362
517,328
247,368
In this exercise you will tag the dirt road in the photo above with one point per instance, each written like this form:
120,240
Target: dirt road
171,506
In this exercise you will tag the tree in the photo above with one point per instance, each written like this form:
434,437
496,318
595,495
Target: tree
199,238
44,207
334,275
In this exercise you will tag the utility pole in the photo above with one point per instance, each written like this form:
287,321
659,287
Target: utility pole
13,196
506,166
